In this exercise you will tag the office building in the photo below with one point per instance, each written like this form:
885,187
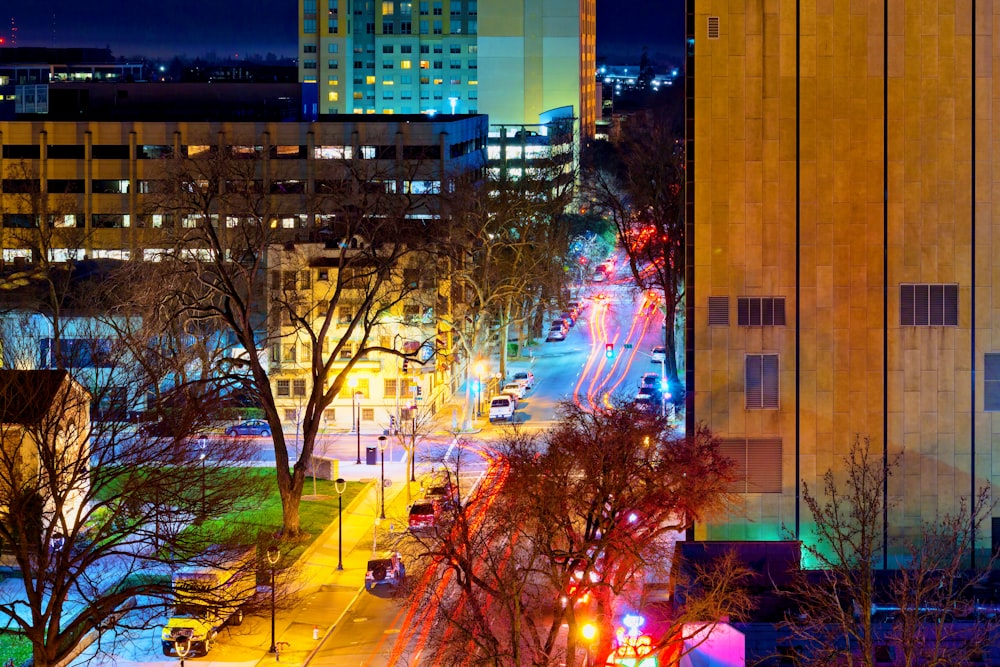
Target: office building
843,274
518,64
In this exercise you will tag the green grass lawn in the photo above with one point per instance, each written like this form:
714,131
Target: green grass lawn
263,518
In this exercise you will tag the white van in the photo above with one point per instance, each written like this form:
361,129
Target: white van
502,407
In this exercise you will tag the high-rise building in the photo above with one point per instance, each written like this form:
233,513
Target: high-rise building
843,274
516,62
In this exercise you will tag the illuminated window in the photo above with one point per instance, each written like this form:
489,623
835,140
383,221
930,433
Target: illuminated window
388,82
425,64
370,80
405,64
388,8
358,96
332,96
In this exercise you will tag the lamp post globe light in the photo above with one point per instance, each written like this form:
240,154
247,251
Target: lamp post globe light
589,632
273,554
183,647
381,446
340,485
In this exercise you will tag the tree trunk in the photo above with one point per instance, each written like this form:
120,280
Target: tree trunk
670,338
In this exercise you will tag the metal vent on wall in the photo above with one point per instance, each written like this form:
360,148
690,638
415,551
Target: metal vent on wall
928,305
718,310
713,27
760,311
757,464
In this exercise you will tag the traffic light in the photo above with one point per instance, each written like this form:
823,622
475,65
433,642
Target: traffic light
609,350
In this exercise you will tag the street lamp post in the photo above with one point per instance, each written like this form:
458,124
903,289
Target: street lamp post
340,485
203,446
353,383
381,446
273,554
479,390
357,398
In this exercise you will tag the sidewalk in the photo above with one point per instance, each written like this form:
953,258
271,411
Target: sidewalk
299,631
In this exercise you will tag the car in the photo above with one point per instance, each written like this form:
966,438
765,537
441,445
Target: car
650,382
659,354
388,570
646,402
560,323
424,514
555,335
526,379
568,316
255,427
502,407
513,388
598,277
441,490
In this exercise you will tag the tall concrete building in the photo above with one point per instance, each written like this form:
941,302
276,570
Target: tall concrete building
844,274
519,62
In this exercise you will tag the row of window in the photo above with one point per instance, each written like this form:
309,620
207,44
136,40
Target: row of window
293,152
310,26
405,386
919,305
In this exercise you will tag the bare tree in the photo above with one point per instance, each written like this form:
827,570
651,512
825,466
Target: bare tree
95,514
581,512
506,251
843,614
638,182
254,282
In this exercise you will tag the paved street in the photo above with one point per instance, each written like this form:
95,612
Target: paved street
355,627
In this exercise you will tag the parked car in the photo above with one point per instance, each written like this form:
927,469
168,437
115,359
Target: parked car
647,402
441,490
598,277
513,388
659,354
502,407
388,570
568,317
555,335
650,382
526,379
561,323
254,427
424,514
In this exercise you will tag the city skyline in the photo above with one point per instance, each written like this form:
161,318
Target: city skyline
192,29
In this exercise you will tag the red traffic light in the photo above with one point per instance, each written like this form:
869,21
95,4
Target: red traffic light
609,350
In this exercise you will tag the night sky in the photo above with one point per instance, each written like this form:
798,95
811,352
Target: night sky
195,27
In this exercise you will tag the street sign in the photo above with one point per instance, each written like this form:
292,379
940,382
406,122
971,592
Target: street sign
627,346
387,483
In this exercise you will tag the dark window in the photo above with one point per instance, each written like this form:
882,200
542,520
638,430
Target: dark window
109,152
20,220
928,305
760,311
21,152
761,382
21,185
66,185
65,152
991,382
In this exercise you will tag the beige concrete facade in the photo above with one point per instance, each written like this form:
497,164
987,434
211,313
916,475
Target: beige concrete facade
838,153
